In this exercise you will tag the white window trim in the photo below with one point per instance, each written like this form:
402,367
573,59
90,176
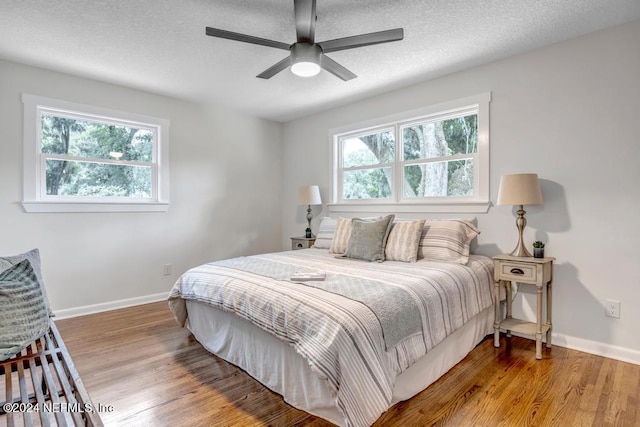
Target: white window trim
479,203
33,201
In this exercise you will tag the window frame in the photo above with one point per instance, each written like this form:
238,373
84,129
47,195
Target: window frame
478,203
35,198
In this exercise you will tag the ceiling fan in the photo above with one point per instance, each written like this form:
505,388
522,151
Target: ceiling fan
307,57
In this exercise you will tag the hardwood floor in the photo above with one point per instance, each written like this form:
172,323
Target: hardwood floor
153,372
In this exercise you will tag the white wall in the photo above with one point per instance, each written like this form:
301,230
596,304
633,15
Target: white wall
225,175
568,112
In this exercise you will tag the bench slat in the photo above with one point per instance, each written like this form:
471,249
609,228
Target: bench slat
45,374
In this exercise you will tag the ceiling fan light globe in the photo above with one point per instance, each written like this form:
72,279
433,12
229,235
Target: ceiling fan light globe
305,69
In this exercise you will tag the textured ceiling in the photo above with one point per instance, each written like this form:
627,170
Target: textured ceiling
160,45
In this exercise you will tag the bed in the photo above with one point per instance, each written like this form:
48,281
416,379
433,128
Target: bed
350,346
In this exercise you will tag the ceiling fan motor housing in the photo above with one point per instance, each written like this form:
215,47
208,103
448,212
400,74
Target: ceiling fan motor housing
305,59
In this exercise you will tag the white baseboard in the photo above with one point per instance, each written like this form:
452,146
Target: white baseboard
600,349
592,347
106,306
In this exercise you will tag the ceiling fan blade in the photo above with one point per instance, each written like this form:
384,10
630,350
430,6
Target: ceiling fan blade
224,34
305,12
362,40
336,69
275,69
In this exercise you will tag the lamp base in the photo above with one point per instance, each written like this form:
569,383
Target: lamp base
520,251
309,218
521,223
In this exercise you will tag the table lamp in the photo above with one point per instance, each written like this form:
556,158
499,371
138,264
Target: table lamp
309,195
519,190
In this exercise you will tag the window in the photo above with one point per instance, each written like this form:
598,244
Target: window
433,159
367,163
79,158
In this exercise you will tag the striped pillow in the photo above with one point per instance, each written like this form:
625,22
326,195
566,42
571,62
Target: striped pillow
23,313
341,236
403,241
447,240
326,230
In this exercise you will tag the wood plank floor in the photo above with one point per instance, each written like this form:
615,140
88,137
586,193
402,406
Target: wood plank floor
154,373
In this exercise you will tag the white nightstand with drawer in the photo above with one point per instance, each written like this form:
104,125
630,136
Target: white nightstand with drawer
302,242
526,270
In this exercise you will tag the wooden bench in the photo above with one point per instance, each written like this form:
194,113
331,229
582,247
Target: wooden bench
42,387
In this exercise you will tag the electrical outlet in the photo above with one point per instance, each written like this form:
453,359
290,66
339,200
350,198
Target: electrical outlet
166,269
612,308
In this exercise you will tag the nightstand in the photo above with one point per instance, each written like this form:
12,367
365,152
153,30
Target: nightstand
525,270
302,242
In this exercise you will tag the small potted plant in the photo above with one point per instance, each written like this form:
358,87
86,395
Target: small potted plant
538,249
307,233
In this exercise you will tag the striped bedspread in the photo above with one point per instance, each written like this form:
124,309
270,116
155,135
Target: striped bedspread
342,339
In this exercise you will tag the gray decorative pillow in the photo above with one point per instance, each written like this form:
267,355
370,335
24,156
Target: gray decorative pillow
342,233
23,313
368,239
34,258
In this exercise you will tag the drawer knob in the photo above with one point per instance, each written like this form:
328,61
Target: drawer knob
517,271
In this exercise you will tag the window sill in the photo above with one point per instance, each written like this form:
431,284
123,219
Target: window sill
41,207
467,207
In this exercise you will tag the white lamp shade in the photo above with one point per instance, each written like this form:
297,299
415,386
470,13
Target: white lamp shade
520,189
309,195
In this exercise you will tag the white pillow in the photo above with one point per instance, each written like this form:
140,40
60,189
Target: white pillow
326,230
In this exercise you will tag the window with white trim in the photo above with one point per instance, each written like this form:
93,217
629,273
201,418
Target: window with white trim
81,158
432,159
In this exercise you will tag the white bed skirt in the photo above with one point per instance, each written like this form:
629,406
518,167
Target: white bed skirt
239,342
